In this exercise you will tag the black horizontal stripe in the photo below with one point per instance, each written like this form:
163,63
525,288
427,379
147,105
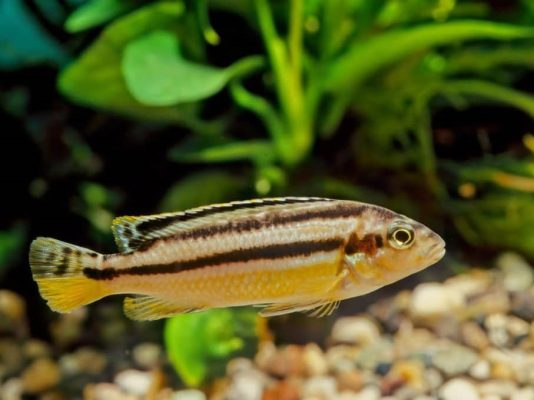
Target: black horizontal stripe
273,219
156,224
270,252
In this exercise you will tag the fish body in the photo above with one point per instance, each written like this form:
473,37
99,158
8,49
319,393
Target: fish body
284,254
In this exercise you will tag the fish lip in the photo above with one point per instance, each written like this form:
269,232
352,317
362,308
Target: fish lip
436,251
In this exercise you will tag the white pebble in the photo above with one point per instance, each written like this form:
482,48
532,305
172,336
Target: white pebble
526,393
518,274
188,394
356,330
431,300
458,388
320,387
481,370
134,382
369,393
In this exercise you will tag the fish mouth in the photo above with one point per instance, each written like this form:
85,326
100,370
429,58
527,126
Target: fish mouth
436,251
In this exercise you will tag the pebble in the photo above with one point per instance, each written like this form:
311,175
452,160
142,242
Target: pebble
526,393
12,313
368,393
502,388
433,379
147,355
314,360
247,385
287,361
380,352
481,370
518,275
431,300
453,359
470,284
493,301
134,382
283,390
12,389
496,326
106,391
40,375
350,380
188,394
474,336
85,360
355,330
458,388
11,357
342,358
523,304
239,365
411,372
34,348
320,388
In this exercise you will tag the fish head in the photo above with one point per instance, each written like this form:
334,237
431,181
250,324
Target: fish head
388,247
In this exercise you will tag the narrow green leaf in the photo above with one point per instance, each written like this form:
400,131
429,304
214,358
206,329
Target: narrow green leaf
367,57
491,91
96,12
254,150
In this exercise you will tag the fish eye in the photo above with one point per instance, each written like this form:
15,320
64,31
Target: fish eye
401,235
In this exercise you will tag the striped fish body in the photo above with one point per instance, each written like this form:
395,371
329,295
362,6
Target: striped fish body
290,254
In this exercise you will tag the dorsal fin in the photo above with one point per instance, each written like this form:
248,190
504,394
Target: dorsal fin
132,233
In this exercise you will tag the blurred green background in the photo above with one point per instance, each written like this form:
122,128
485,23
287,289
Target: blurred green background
114,107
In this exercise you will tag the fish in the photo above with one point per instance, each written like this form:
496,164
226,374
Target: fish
284,255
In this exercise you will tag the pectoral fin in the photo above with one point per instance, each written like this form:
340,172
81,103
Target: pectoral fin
314,309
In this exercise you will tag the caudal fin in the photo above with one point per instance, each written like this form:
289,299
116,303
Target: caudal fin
57,267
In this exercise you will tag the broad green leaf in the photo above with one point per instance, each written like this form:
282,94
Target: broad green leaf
158,75
202,188
96,12
23,41
368,56
200,344
259,151
96,79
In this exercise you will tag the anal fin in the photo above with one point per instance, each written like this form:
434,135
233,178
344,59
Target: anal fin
314,309
148,308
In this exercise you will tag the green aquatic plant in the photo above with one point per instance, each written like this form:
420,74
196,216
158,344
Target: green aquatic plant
200,344
493,204
320,59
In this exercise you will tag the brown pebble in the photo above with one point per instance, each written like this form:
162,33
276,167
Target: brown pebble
287,361
350,380
474,336
41,375
390,384
283,390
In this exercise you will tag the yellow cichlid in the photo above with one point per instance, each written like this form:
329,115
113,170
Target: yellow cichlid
284,254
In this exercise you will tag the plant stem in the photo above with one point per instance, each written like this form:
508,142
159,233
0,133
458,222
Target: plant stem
295,36
288,80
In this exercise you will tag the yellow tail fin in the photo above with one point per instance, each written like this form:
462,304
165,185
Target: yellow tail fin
57,267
